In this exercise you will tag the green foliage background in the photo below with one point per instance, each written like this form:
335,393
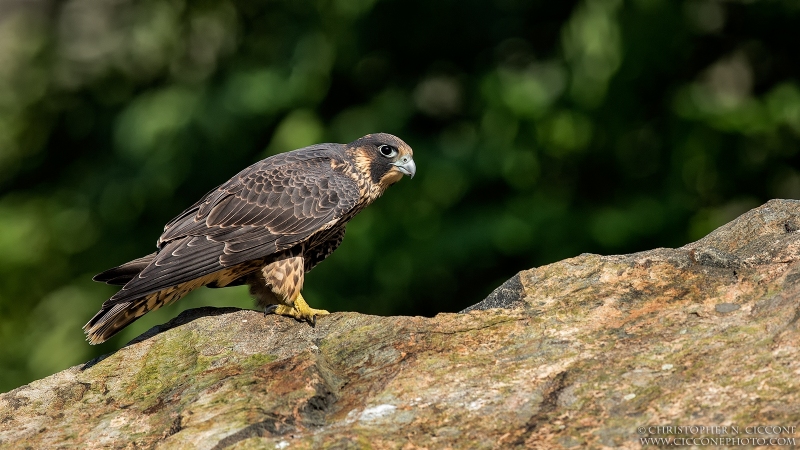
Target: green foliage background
541,130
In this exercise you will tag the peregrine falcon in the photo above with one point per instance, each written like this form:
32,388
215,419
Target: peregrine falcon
265,227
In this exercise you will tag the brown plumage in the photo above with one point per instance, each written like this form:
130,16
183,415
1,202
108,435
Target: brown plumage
265,227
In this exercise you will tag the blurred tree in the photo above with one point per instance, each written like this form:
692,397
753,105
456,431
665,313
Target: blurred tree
541,130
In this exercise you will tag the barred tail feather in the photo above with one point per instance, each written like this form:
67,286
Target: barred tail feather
115,316
109,321
117,313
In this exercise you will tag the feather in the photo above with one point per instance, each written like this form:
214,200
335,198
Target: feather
122,274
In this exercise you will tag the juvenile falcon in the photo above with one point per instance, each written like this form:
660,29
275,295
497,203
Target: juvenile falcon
265,227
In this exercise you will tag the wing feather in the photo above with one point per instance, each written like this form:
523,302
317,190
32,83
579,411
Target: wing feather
178,262
222,211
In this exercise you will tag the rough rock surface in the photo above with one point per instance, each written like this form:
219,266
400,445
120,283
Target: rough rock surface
592,348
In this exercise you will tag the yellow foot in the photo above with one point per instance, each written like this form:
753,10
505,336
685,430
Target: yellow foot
300,311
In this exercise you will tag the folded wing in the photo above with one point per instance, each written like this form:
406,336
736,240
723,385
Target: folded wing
268,207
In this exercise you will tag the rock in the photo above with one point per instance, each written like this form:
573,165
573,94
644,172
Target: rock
509,295
593,348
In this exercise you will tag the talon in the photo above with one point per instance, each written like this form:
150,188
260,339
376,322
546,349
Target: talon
300,311
270,309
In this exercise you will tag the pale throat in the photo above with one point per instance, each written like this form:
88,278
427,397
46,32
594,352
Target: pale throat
389,178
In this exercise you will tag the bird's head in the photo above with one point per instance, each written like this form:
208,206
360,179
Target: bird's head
383,159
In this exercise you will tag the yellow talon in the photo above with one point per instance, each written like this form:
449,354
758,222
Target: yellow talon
300,311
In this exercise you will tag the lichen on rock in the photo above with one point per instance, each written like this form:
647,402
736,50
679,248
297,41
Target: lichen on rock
581,352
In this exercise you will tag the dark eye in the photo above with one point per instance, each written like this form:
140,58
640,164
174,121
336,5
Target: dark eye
387,150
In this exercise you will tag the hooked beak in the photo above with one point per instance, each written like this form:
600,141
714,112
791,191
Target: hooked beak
406,165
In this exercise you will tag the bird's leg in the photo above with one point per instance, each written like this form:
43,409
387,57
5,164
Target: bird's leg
277,286
300,310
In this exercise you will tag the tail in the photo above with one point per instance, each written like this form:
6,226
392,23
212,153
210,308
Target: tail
126,272
113,317
116,315
141,295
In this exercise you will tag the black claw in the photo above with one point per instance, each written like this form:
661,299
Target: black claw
270,309
314,321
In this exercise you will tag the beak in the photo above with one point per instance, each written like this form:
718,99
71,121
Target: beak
406,165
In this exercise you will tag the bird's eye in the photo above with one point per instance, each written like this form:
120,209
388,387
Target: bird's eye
387,150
